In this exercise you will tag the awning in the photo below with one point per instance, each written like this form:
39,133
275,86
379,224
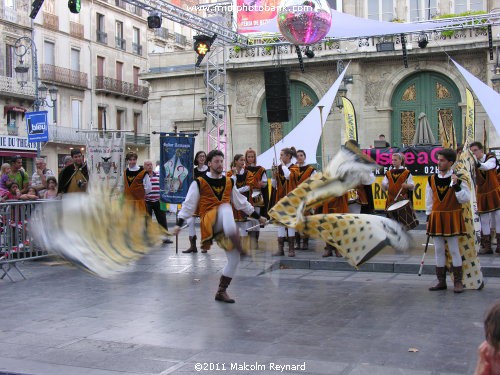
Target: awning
24,154
13,108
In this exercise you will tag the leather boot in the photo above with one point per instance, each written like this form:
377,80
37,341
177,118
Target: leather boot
441,276
486,240
281,247
328,251
498,244
192,248
337,254
291,247
245,244
305,243
457,280
221,294
297,241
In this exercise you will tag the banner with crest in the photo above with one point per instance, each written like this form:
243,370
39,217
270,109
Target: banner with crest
176,166
106,159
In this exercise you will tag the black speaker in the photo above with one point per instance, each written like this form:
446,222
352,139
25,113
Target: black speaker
277,83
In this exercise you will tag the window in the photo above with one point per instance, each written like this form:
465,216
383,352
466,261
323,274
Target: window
137,122
75,59
100,22
9,60
137,36
120,42
119,71
136,76
462,6
49,53
100,66
101,118
422,10
381,10
101,35
51,109
76,113
120,118
10,4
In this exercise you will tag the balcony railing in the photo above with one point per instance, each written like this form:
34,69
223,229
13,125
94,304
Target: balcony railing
137,49
136,10
67,135
51,21
162,33
121,43
101,37
10,87
180,39
76,29
121,4
138,139
63,76
112,86
10,14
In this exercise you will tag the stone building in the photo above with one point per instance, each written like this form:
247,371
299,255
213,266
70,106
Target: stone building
387,97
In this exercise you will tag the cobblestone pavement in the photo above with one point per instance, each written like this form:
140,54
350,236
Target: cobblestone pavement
160,318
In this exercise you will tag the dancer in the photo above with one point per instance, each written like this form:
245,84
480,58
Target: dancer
211,194
260,196
488,196
299,175
398,181
445,193
337,205
363,192
282,185
133,185
74,177
200,169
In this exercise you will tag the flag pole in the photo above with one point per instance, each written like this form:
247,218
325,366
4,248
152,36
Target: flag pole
320,107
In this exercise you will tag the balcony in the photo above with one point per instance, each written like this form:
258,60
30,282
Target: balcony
121,4
50,21
9,87
138,139
137,49
121,43
101,37
180,40
63,76
107,85
162,33
67,135
136,10
76,30
10,14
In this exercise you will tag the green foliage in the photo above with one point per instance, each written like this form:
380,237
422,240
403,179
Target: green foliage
450,33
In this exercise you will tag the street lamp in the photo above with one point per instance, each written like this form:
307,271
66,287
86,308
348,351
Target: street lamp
26,46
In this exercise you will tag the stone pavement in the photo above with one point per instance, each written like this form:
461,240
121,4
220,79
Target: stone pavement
160,318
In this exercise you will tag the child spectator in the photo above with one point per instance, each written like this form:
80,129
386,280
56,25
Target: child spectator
4,178
51,192
488,362
13,193
31,195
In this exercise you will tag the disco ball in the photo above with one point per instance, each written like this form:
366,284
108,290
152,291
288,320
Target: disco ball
304,22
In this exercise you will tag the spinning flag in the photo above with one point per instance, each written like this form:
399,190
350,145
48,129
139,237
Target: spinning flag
358,237
98,232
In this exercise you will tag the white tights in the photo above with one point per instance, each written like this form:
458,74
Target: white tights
225,223
282,232
490,218
452,247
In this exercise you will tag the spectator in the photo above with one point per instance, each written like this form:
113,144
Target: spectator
157,167
381,137
152,198
133,188
14,193
39,178
68,160
4,178
18,175
74,177
488,362
31,195
51,191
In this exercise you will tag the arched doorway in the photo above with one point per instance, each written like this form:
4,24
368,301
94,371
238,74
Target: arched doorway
431,93
302,99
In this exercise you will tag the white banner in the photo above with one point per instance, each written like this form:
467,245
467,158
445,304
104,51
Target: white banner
106,160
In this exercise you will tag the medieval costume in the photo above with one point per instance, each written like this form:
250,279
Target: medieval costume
198,171
133,186
73,179
337,205
392,183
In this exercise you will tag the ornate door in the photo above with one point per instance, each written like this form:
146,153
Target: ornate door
302,99
431,93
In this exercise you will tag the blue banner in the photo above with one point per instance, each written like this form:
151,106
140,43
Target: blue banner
37,127
176,167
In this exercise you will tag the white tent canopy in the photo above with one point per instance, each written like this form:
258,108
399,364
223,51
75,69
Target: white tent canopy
307,133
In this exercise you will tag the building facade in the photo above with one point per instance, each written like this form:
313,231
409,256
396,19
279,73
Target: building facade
388,98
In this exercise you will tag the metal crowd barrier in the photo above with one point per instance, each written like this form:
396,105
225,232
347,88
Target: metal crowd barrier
16,244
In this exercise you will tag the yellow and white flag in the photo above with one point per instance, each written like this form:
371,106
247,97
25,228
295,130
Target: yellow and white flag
469,118
351,127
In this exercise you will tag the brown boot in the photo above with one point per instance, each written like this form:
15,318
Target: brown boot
498,244
297,241
458,286
486,240
337,254
305,243
291,247
221,294
281,247
192,248
441,276
328,251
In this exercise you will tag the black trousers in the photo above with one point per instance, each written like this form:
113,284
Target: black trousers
160,215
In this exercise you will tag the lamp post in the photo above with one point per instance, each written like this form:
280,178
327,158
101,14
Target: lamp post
26,46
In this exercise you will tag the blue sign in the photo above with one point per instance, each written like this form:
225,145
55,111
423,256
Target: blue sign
37,127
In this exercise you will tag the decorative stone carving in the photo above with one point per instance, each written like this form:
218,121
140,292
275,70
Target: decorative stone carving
246,90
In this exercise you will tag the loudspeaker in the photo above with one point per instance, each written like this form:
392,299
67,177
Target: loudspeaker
277,82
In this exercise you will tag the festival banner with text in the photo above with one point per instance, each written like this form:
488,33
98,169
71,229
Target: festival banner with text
421,161
351,127
469,117
106,160
176,167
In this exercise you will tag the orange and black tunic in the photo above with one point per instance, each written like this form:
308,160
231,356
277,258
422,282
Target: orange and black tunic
284,186
446,218
396,178
134,187
487,189
338,205
213,193
300,174
244,179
